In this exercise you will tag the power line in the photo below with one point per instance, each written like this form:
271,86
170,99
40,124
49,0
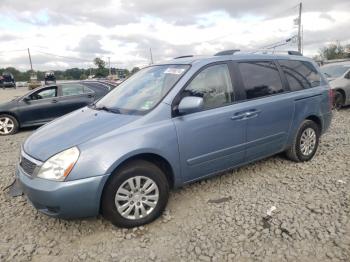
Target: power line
11,51
65,57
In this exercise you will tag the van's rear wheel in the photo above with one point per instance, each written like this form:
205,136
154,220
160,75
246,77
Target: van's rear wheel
305,143
135,195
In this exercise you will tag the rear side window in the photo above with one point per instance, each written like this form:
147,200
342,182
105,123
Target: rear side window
260,79
300,74
214,85
74,89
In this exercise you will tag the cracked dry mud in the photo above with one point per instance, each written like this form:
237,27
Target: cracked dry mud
219,219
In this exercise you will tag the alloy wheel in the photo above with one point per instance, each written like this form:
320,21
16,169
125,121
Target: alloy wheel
137,197
6,125
308,141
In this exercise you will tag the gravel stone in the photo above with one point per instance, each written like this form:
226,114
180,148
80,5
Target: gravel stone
220,219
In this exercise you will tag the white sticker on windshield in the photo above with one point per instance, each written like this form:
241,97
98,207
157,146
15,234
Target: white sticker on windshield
174,71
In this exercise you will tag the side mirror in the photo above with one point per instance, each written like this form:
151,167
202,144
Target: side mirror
190,104
347,76
26,99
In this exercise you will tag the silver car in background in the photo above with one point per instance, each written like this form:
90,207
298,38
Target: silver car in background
338,75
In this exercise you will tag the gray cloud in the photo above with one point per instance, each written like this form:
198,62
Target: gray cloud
323,36
180,12
161,50
327,16
8,37
90,45
66,12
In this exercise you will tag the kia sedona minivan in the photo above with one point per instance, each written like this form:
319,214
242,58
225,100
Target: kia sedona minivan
172,124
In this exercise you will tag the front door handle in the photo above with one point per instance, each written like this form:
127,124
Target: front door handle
238,117
54,101
252,113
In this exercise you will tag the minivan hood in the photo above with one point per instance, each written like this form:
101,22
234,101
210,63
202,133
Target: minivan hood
72,130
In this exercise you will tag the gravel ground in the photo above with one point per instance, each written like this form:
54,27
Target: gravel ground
219,219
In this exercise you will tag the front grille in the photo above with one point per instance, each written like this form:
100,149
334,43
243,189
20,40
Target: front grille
27,166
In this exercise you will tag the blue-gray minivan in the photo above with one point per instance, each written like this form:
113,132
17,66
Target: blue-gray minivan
172,124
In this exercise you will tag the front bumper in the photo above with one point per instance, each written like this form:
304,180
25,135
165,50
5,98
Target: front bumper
70,199
8,84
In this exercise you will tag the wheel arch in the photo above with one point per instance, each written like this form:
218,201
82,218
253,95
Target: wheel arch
11,114
317,120
154,158
341,91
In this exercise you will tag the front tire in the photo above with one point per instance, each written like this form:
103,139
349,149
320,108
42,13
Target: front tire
305,143
8,125
135,195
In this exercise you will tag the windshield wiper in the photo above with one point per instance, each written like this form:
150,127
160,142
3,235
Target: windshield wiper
328,75
107,109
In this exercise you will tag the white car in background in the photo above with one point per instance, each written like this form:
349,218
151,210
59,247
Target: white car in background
338,75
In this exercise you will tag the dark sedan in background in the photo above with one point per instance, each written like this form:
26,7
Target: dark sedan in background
47,103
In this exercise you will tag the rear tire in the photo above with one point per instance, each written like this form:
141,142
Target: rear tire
8,125
305,143
135,195
339,100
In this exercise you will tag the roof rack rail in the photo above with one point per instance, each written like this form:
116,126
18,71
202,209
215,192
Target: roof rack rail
272,51
294,53
227,52
183,56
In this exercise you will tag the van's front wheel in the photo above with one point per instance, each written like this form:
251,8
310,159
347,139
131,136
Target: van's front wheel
305,143
135,195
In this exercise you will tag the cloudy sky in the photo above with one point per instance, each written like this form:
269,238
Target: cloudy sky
70,33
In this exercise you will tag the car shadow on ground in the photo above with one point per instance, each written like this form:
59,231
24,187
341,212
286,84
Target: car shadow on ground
28,129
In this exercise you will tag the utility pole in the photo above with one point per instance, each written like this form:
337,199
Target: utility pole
30,60
302,39
109,62
299,27
150,51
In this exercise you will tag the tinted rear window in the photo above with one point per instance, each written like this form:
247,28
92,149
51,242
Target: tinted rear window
300,74
260,78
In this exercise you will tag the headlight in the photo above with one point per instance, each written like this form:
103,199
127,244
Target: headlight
59,166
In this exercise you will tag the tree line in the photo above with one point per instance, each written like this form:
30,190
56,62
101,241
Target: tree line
333,51
100,71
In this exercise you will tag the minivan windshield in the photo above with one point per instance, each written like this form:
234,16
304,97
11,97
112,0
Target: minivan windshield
334,71
143,91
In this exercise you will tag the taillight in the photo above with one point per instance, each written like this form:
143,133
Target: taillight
331,98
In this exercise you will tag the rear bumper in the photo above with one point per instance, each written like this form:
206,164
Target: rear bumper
71,199
326,123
